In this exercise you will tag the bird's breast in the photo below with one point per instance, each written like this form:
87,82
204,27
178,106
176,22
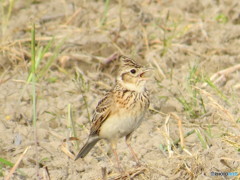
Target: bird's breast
130,109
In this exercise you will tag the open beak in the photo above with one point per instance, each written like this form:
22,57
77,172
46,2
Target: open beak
146,74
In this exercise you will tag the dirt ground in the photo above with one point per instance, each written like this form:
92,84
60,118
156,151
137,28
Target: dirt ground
193,125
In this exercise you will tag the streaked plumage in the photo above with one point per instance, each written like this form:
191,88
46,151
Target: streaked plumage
122,110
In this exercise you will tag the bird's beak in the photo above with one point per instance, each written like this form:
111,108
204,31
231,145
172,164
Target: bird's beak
146,74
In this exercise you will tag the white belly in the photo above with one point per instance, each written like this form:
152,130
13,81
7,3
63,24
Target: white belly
120,125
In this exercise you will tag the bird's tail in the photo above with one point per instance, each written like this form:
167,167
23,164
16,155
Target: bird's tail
87,147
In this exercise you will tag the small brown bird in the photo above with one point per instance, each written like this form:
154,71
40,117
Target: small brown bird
122,110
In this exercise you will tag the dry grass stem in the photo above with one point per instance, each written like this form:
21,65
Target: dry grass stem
167,137
218,106
65,147
16,164
221,75
130,173
180,128
158,68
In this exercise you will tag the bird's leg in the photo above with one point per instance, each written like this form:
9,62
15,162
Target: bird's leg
121,170
128,138
114,147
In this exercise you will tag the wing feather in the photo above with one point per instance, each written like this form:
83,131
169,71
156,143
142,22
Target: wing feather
102,112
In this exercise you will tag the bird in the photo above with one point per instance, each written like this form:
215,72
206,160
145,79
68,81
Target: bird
121,110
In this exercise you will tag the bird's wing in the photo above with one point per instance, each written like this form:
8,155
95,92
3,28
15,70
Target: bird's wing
102,112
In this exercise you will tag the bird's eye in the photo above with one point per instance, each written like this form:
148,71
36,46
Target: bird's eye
133,71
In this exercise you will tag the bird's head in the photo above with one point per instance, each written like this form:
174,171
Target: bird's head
131,75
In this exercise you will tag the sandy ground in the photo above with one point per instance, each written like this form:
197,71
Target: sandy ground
193,47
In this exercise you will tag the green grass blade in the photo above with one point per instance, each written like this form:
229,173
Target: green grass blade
10,164
50,60
217,90
201,139
40,53
34,98
6,162
106,7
